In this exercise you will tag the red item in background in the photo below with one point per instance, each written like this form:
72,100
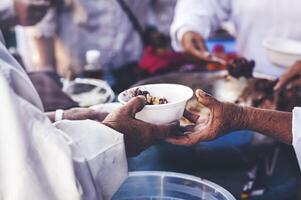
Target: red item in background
219,51
155,60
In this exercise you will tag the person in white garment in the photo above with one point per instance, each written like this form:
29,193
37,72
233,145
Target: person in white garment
254,21
78,159
227,117
62,40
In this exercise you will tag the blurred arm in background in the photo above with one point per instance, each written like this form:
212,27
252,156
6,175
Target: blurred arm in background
22,12
194,21
291,74
44,35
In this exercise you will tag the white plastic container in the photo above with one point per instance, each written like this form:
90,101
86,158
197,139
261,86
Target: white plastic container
151,185
283,52
88,92
177,96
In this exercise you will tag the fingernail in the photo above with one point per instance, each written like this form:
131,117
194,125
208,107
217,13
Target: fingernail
206,53
142,97
199,93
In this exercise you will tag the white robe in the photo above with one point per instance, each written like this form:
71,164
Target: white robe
254,21
71,160
297,133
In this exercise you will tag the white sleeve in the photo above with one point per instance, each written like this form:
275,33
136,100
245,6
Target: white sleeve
98,154
297,132
35,159
201,16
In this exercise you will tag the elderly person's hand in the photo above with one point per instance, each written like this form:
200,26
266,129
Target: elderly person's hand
293,73
138,135
223,118
29,12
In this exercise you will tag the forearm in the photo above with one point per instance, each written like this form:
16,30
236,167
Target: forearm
272,123
46,51
51,116
77,114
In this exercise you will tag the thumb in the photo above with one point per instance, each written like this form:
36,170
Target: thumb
199,43
282,82
135,105
205,98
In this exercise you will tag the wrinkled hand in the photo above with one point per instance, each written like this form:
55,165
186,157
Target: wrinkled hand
293,73
138,135
83,114
194,44
223,118
30,12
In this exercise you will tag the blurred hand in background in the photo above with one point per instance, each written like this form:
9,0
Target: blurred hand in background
293,73
195,46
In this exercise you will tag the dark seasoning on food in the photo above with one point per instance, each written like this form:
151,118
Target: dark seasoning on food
151,100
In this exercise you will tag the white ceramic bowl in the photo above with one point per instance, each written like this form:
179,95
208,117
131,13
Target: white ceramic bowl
283,52
176,95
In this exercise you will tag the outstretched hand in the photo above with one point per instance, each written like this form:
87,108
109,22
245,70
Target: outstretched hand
223,118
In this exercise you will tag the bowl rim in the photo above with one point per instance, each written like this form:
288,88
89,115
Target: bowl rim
162,174
268,46
161,106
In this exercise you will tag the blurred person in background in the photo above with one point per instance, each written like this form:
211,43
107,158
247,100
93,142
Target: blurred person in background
69,31
254,21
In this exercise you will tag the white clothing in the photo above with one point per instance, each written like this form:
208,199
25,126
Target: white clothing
254,21
7,13
107,29
163,12
297,133
71,160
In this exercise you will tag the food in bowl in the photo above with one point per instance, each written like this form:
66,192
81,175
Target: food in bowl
151,100
176,94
